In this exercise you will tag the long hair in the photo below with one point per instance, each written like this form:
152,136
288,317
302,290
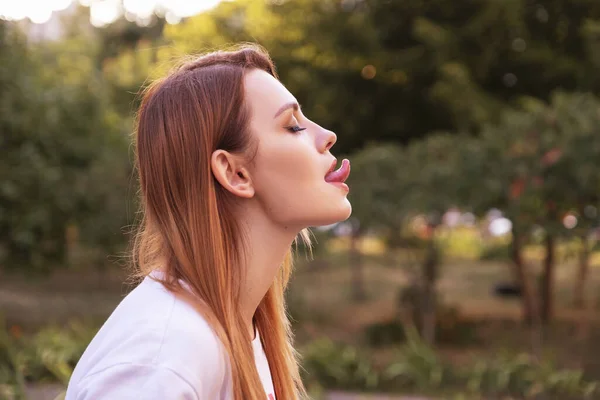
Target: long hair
187,227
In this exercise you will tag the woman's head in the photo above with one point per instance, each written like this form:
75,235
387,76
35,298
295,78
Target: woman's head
290,159
217,138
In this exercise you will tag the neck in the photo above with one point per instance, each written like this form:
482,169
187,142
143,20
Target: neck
267,244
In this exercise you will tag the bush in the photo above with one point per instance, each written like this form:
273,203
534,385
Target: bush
52,353
385,333
418,368
47,356
336,366
522,377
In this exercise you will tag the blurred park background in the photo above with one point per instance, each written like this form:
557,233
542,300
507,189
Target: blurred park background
470,268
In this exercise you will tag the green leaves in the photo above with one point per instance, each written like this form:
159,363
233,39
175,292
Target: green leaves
390,183
49,355
416,367
337,366
64,150
536,165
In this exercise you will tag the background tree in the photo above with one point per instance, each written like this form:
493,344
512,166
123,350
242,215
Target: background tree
377,181
64,144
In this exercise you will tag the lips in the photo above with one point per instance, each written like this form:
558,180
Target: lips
340,175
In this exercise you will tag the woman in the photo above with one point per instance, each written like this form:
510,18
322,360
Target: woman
230,172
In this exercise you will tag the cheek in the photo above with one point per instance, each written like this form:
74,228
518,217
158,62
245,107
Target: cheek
290,184
287,175
286,166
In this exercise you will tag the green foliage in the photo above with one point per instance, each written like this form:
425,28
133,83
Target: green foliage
386,333
452,329
424,68
28,173
380,180
49,355
66,161
392,183
538,162
12,380
418,368
536,165
335,366
390,71
518,376
52,353
521,376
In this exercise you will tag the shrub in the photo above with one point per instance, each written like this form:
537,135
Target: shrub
53,352
385,333
49,355
418,368
338,366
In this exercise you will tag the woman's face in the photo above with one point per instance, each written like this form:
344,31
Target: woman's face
293,171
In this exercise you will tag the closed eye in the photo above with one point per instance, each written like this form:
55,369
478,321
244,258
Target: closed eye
295,128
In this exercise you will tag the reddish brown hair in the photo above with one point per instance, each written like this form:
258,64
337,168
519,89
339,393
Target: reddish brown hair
188,229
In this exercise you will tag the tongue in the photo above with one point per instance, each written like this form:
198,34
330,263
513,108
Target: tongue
340,174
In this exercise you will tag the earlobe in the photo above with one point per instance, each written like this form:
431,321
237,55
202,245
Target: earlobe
231,174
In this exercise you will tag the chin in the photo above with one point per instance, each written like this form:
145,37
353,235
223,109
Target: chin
339,214
346,212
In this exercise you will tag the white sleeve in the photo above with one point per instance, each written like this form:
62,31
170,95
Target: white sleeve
135,382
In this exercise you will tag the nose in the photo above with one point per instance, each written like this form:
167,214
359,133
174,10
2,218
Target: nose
327,140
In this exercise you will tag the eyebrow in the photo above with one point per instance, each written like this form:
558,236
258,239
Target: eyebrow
286,106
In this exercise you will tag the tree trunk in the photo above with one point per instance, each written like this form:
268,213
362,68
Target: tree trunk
547,289
582,273
527,292
428,301
358,281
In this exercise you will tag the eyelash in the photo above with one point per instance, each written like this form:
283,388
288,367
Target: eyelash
295,129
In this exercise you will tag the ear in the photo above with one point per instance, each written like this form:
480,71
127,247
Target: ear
229,171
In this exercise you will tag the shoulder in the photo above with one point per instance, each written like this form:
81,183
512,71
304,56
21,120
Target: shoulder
154,332
135,381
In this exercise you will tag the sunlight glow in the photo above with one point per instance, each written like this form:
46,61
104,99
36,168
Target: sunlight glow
40,15
186,8
104,12
38,11
141,8
172,18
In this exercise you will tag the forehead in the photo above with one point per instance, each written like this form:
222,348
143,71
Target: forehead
265,94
